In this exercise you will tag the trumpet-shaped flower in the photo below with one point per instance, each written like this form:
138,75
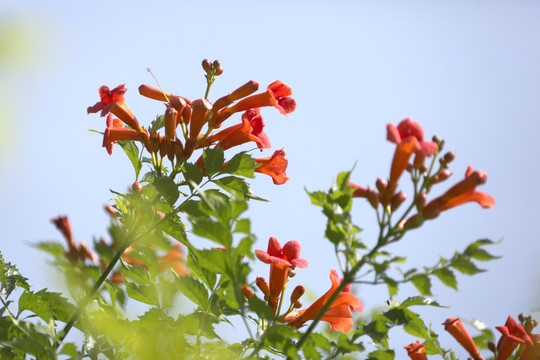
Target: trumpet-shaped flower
275,166
416,351
280,260
113,101
462,192
339,315
513,334
456,328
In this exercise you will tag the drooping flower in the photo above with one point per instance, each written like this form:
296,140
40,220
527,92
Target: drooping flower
456,328
339,315
275,166
513,334
416,351
280,260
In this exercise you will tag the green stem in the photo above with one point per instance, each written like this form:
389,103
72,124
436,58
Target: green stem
92,292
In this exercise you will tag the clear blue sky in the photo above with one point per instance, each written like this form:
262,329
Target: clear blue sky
467,71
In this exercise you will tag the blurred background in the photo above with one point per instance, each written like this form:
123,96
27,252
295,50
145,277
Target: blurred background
467,71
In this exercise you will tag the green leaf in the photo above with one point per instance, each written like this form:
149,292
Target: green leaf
146,294
318,198
392,285
235,186
70,349
156,124
212,230
193,289
135,273
475,251
243,226
10,278
381,355
321,341
241,164
446,276
167,188
420,300
132,152
260,308
464,265
422,283
192,173
46,305
213,160
343,179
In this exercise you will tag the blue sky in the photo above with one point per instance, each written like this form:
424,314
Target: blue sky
467,71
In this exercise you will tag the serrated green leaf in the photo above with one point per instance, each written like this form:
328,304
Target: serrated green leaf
193,289
132,152
423,283
167,188
213,160
321,341
10,278
260,308
235,186
135,272
420,300
241,164
46,305
475,251
343,179
192,173
146,294
156,124
446,276
465,266
212,230
318,198
381,355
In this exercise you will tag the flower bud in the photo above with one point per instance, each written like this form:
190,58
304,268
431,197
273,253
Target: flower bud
292,273
178,150
170,123
110,210
206,65
247,292
373,197
219,71
216,64
397,200
154,142
262,284
449,157
297,293
420,202
491,346
381,185
136,187
297,304
443,175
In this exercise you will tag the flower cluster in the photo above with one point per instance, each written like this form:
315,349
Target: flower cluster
283,261
184,122
516,339
409,139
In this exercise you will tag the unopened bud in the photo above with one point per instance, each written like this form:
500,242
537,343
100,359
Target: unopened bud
163,147
297,293
247,292
110,210
292,273
297,304
206,65
262,284
397,200
436,139
178,150
136,187
381,185
449,157
420,202
529,325
373,197
216,64
491,346
442,176
219,71
170,123
154,142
